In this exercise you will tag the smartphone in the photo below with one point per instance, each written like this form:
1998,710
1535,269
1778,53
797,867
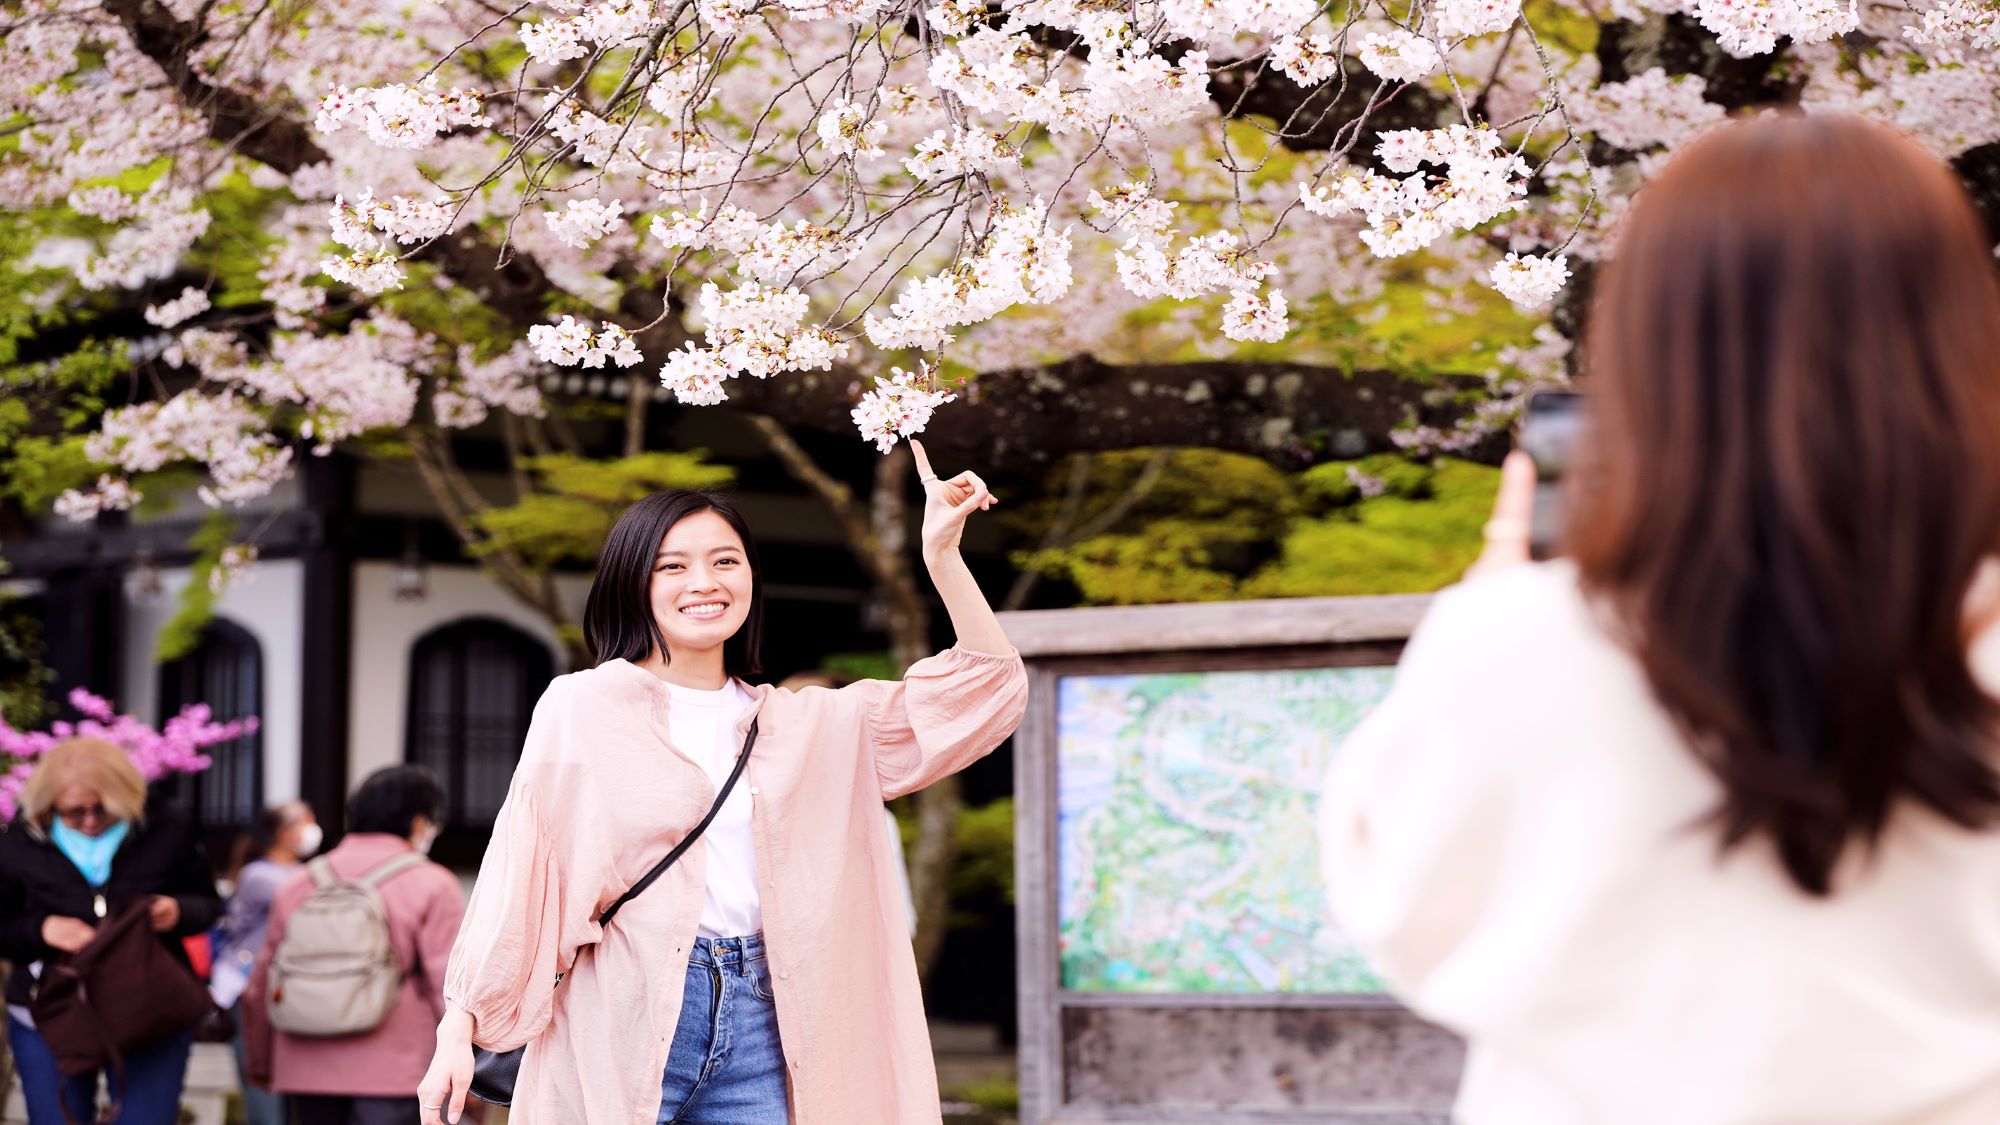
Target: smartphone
1551,427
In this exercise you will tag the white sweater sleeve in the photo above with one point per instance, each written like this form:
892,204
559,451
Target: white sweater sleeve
1418,804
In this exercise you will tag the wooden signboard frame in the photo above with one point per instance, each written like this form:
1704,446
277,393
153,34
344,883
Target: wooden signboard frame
1265,1058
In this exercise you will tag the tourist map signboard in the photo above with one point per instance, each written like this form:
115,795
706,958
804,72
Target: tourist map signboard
1186,808
1177,959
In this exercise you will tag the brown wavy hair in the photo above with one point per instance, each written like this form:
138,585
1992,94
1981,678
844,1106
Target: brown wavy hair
1794,362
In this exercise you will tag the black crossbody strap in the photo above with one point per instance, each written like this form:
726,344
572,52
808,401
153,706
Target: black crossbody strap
742,759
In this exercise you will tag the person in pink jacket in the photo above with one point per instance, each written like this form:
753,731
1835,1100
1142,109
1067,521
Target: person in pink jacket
767,976
367,1079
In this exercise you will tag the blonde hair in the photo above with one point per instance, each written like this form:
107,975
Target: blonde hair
94,764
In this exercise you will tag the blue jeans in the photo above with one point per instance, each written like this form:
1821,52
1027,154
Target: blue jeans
727,1066
153,1078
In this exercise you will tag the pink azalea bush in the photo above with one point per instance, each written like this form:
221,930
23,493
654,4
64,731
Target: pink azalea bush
174,748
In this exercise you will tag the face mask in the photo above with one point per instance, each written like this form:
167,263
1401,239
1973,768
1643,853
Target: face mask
310,838
91,854
423,839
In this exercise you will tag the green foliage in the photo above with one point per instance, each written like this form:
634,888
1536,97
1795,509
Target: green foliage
1403,541
851,666
567,520
628,479
984,872
45,408
24,679
44,403
182,632
1332,485
545,531
981,883
1574,31
36,470
991,1095
237,241
451,312
1219,527
1210,519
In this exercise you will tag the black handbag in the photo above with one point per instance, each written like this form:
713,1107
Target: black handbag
495,1072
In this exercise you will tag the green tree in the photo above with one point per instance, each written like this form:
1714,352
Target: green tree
1218,526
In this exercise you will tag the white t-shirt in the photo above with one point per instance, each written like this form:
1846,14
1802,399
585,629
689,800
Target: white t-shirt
703,726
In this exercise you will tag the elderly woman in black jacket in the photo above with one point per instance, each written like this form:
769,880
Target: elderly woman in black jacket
89,842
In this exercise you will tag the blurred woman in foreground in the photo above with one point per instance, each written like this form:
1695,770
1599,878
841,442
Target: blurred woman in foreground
1695,824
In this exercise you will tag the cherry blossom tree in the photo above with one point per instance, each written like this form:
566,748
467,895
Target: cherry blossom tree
880,200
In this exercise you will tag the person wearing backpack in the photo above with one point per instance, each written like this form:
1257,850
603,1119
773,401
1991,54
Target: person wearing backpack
345,996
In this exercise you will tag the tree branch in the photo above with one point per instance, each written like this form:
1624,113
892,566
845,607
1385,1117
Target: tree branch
1333,114
262,128
1064,533
460,504
1292,415
834,493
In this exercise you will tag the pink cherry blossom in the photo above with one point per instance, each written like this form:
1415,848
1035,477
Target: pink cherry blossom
174,748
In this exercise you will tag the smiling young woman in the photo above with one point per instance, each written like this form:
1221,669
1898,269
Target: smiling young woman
767,976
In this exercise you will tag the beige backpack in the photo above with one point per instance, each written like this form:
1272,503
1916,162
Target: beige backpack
335,973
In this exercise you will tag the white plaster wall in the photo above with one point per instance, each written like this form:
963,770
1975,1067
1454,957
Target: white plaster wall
269,602
385,630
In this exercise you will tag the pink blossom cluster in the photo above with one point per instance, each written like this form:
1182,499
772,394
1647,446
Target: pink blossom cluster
1219,20
174,748
400,116
232,566
570,342
1124,80
192,302
1249,317
1306,60
165,223
1399,56
899,407
584,221
1532,281
1753,27
1481,181
1457,19
505,382
1647,110
940,157
1019,260
1973,23
224,432
847,130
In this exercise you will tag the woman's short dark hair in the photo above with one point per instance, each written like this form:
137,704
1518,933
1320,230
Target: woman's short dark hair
618,621
394,796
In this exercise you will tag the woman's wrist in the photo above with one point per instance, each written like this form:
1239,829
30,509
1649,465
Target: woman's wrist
456,1026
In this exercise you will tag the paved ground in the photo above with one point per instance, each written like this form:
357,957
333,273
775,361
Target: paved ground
973,1069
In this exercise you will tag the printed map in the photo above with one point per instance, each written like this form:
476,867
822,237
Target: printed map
1187,809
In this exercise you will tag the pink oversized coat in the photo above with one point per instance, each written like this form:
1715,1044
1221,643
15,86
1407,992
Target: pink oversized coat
601,795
